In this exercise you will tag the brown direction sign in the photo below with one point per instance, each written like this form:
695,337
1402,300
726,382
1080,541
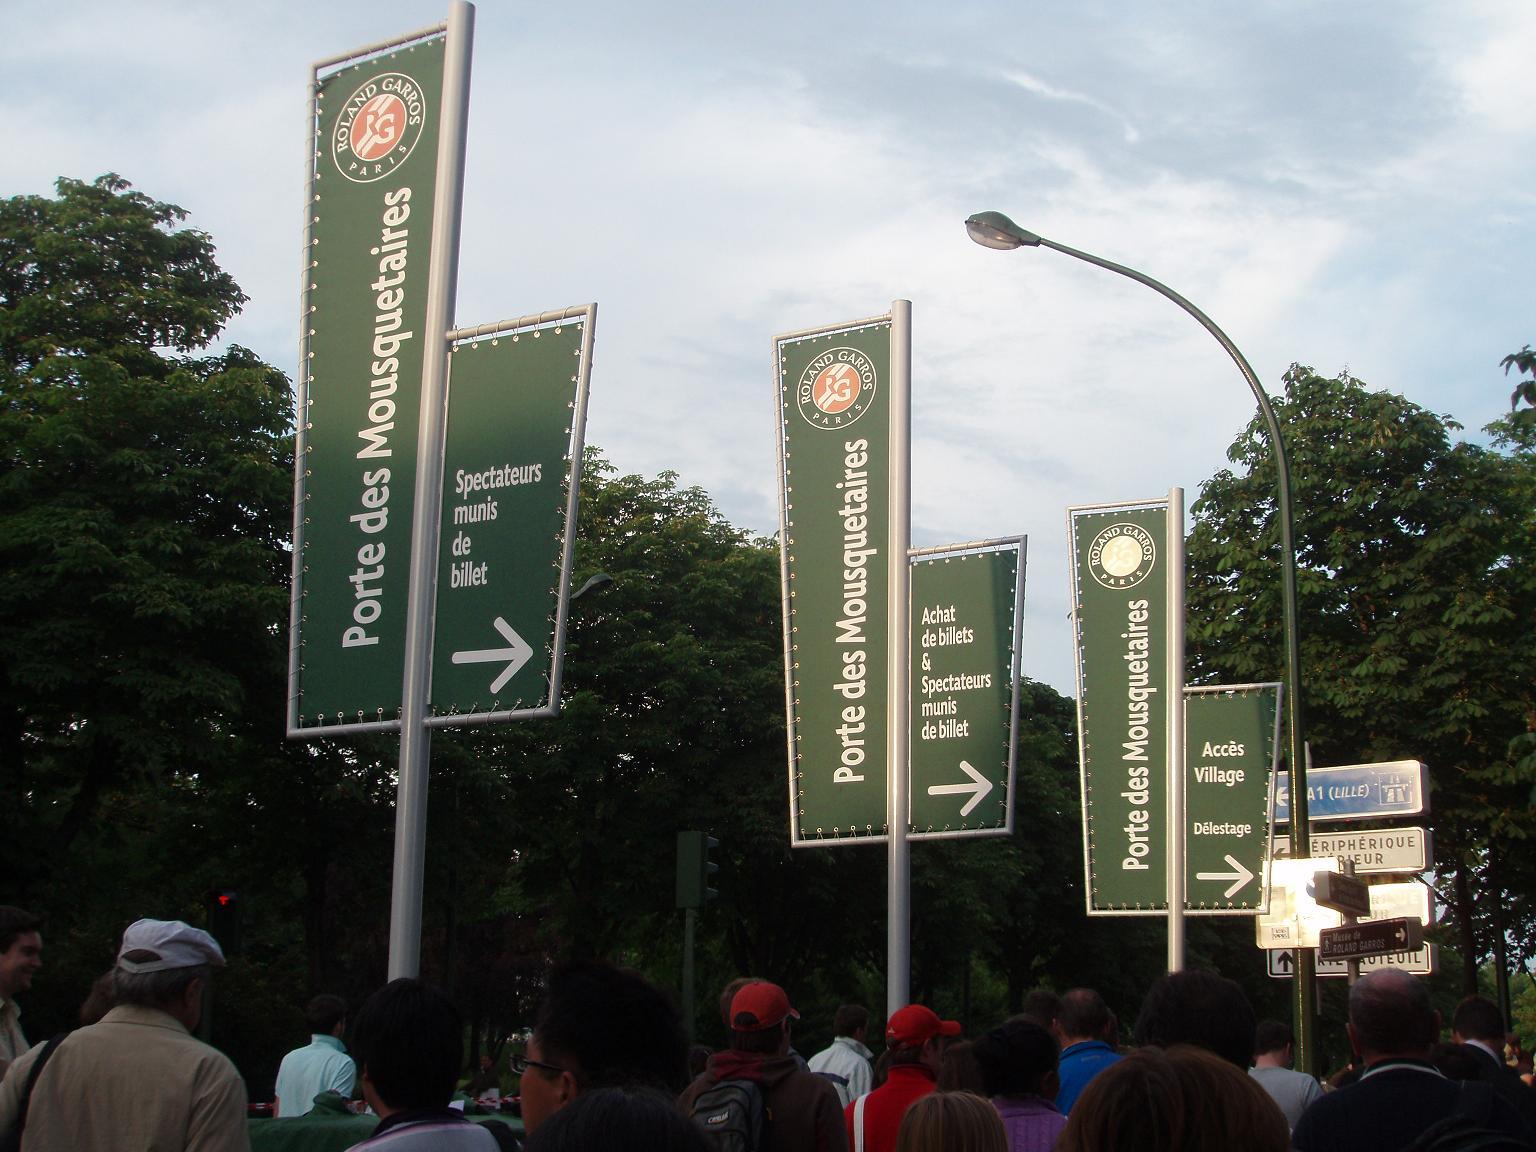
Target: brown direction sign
1400,934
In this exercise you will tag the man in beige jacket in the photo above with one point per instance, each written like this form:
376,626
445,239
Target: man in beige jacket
138,1079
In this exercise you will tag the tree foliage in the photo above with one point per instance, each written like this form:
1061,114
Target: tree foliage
1525,390
1418,627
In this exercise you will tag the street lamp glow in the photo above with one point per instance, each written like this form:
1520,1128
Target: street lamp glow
994,230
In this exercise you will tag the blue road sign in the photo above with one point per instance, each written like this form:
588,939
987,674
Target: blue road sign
1359,792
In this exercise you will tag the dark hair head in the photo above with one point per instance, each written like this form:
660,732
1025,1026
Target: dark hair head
1479,1019
1391,1014
324,1012
764,1041
1015,1058
1200,1008
1457,1061
611,1027
951,1122
1042,1006
1271,1036
408,1041
628,1119
849,1019
101,999
1083,1013
13,923
1184,1099
959,1070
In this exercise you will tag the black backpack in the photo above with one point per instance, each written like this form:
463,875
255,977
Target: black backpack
732,1115
1467,1128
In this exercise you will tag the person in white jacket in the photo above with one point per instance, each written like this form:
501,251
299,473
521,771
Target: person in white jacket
846,1061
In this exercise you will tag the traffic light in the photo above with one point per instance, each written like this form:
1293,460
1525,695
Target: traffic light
224,919
695,869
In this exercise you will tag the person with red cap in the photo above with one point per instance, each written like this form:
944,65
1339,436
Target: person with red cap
913,1036
756,1088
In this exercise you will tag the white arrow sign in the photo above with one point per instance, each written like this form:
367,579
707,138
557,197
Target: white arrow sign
516,654
1239,876
980,785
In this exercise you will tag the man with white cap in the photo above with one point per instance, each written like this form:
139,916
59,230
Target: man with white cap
137,1079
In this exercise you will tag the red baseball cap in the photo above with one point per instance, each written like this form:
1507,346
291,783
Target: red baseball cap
916,1024
760,1005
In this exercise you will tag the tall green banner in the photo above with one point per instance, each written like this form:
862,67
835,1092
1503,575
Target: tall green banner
511,461
832,389
1120,598
965,619
369,229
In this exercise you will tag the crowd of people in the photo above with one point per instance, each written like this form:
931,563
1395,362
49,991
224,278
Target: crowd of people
608,1066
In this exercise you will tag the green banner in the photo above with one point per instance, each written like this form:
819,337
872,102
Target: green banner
506,481
375,160
833,391
1230,742
964,625
1120,594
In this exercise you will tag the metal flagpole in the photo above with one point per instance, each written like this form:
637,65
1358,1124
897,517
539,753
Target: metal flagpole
1174,546
442,286
899,880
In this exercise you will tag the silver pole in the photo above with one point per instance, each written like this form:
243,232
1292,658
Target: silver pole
899,880
1176,847
442,285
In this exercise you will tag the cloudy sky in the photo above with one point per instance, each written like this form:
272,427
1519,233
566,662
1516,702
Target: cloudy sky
1344,185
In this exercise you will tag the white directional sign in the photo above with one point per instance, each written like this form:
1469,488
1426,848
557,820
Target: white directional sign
1295,917
1374,850
1424,962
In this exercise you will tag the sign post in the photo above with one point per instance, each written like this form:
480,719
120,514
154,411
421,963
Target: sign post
507,528
843,395
1232,738
965,618
1120,593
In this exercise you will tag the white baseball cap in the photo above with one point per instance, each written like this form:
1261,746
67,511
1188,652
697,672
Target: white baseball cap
170,943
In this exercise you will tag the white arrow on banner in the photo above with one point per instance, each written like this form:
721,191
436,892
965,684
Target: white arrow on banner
1239,876
980,785
516,654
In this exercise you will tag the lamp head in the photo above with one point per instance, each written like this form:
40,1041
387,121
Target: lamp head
994,230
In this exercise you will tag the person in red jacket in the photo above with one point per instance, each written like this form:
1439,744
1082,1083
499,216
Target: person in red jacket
913,1036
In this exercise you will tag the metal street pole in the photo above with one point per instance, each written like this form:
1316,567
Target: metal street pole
1176,848
994,230
442,286
899,850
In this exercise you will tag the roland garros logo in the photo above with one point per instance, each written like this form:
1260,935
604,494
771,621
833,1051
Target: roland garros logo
1122,556
380,126
836,388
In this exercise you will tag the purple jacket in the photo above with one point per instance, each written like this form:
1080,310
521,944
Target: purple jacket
1031,1122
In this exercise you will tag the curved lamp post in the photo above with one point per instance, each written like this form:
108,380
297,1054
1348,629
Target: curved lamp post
994,230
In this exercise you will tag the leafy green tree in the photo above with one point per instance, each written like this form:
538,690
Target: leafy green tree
1418,627
1525,390
142,510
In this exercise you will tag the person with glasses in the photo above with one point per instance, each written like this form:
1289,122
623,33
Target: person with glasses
599,1026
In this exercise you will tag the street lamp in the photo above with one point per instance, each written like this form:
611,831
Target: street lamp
994,230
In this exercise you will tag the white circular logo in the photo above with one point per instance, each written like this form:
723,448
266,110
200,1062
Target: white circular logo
379,127
1122,556
836,388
